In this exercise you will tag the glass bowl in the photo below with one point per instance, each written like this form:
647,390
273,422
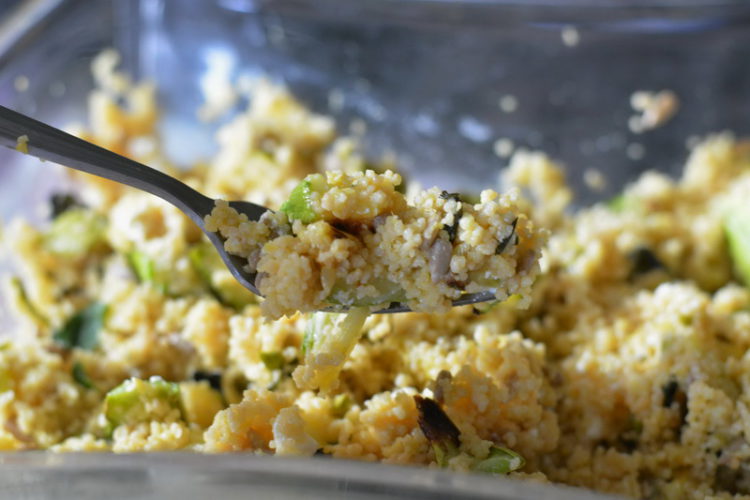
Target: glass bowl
437,82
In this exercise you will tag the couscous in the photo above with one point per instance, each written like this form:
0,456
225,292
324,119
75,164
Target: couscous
627,371
351,239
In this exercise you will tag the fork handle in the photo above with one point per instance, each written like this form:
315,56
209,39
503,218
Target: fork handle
52,144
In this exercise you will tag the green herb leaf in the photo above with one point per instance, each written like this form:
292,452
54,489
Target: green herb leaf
80,376
82,329
500,461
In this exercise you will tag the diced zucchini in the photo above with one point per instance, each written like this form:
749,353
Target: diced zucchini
128,402
500,461
75,232
737,228
82,329
299,206
200,403
333,332
326,344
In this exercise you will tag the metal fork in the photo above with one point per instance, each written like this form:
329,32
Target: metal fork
52,144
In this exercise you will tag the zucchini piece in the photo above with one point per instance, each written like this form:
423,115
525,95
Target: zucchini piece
737,229
75,232
299,206
128,402
326,344
500,461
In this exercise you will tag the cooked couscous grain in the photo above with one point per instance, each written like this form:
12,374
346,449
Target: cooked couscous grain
628,372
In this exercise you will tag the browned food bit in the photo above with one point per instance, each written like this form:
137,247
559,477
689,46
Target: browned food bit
438,428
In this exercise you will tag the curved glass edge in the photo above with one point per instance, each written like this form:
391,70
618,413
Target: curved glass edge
638,16
177,474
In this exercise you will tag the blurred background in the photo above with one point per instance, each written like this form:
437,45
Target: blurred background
451,86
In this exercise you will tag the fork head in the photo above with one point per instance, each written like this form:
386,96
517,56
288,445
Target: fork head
237,266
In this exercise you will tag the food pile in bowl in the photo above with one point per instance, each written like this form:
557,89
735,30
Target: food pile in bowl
614,357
